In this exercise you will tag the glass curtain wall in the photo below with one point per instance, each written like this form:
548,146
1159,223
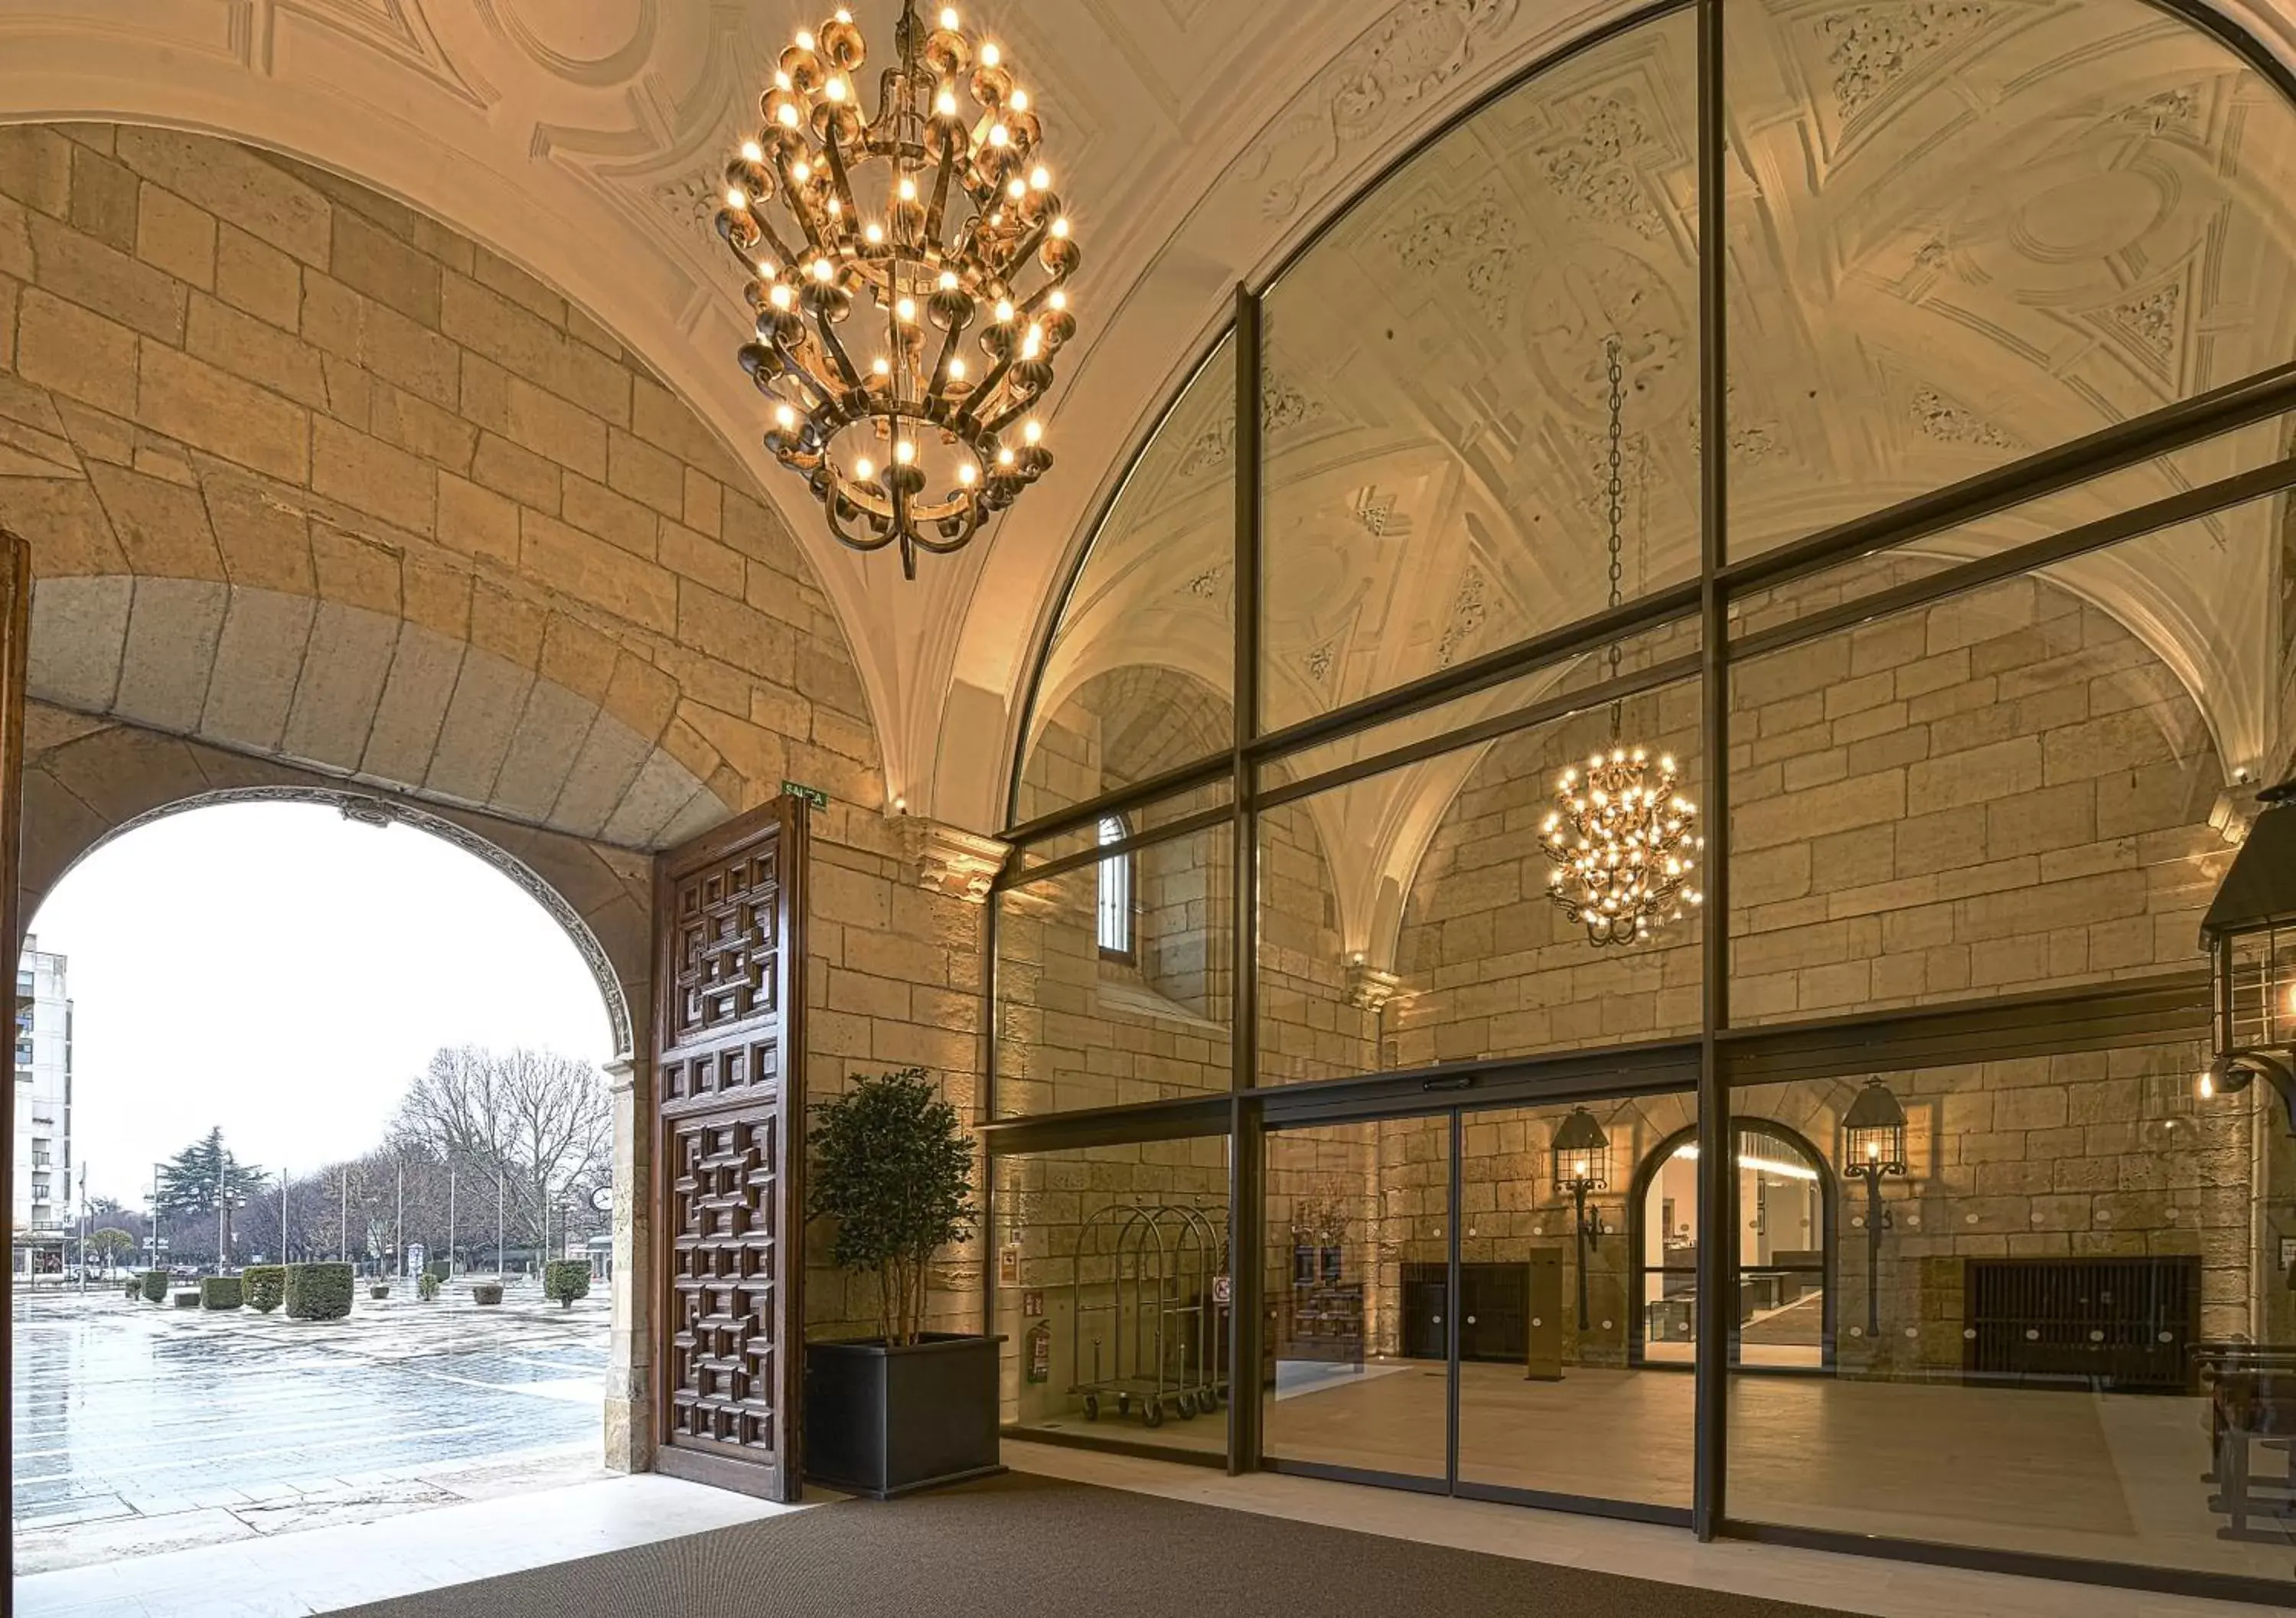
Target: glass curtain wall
1951,588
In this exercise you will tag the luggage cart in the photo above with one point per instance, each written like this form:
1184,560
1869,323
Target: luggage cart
1157,1337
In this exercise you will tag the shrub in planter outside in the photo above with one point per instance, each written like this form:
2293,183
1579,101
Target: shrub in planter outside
135,1290
486,1293
318,1292
155,1285
427,1288
220,1292
188,1299
563,1280
379,1290
262,1287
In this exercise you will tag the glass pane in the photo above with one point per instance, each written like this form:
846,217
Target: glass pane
1563,676
1409,918
1139,676
1962,235
1080,1024
2235,540
1560,1390
2010,790
2076,1272
1216,793
1358,1267
1438,397
1111,1290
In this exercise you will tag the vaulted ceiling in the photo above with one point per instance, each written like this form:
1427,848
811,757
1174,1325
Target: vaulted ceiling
1198,142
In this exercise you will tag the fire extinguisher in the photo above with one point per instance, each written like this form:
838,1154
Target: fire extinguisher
1040,1351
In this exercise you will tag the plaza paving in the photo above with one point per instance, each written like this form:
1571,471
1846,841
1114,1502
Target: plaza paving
142,1428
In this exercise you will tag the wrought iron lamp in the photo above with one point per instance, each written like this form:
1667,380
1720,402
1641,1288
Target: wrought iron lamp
1582,1166
1874,1145
2250,933
933,222
1622,841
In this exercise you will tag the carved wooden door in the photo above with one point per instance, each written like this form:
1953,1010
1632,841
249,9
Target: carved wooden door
729,1075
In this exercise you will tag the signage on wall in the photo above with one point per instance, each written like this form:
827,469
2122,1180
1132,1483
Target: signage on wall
1032,1302
1008,1267
2288,1255
1223,1290
811,794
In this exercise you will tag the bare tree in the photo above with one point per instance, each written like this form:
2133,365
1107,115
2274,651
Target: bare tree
540,1120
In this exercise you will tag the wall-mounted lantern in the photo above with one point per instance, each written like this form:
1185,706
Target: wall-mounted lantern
1582,1166
2250,933
1874,1145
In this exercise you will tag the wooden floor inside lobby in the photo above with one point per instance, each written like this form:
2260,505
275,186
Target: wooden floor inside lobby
2108,1477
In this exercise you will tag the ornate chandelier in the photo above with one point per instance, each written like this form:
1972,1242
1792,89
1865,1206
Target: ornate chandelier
908,233
1621,839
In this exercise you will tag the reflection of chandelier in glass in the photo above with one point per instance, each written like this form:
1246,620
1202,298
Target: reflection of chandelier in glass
927,221
1621,839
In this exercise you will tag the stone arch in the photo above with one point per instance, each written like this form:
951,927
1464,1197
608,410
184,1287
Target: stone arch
274,435
88,781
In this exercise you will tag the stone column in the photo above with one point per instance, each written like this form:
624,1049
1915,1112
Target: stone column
629,1370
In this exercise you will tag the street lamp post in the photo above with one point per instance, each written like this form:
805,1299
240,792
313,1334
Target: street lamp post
501,1270
450,1219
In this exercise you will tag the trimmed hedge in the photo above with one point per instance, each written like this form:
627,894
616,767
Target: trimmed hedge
155,1285
440,1270
220,1292
563,1280
187,1300
135,1290
262,1287
318,1292
486,1293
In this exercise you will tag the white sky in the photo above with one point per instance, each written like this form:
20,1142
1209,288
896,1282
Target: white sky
282,971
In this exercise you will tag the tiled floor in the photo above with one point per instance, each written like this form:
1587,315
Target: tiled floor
141,1429
2110,1478
1861,1584
331,1568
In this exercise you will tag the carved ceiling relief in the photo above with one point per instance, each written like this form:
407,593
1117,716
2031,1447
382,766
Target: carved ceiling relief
1283,409
1421,46
1872,48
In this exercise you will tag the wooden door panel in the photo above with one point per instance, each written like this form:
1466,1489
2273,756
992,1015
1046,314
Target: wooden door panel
729,1096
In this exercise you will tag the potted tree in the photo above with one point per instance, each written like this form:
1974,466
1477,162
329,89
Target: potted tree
906,1409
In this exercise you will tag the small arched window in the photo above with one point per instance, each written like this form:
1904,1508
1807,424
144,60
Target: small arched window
1115,892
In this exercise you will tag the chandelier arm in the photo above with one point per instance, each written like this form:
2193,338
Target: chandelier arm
833,347
1019,405
987,391
943,548
794,198
936,211
883,537
838,179
937,394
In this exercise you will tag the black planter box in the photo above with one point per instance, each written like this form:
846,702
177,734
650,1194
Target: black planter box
885,1421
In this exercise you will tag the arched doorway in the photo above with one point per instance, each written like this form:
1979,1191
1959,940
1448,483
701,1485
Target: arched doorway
296,1032
1785,1251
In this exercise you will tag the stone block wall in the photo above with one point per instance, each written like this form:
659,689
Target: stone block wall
222,366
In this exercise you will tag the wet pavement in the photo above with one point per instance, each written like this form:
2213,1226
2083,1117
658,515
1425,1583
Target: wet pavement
142,1427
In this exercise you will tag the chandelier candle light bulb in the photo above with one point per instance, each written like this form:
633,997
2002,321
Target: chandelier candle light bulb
924,218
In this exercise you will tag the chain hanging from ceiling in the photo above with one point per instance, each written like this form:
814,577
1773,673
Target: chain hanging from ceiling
1622,840
908,321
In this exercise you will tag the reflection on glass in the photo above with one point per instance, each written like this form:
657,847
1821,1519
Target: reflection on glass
2076,1289
1082,1022
1554,1395
1437,391
2009,790
1138,677
1951,254
1406,919
1356,1273
1113,1293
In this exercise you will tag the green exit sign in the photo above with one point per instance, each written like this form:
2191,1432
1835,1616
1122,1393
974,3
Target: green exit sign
811,794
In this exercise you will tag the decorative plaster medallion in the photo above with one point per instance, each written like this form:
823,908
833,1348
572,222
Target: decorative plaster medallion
1939,418
1282,407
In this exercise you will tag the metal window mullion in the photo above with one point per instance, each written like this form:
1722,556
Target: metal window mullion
1247,1154
1717,1254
